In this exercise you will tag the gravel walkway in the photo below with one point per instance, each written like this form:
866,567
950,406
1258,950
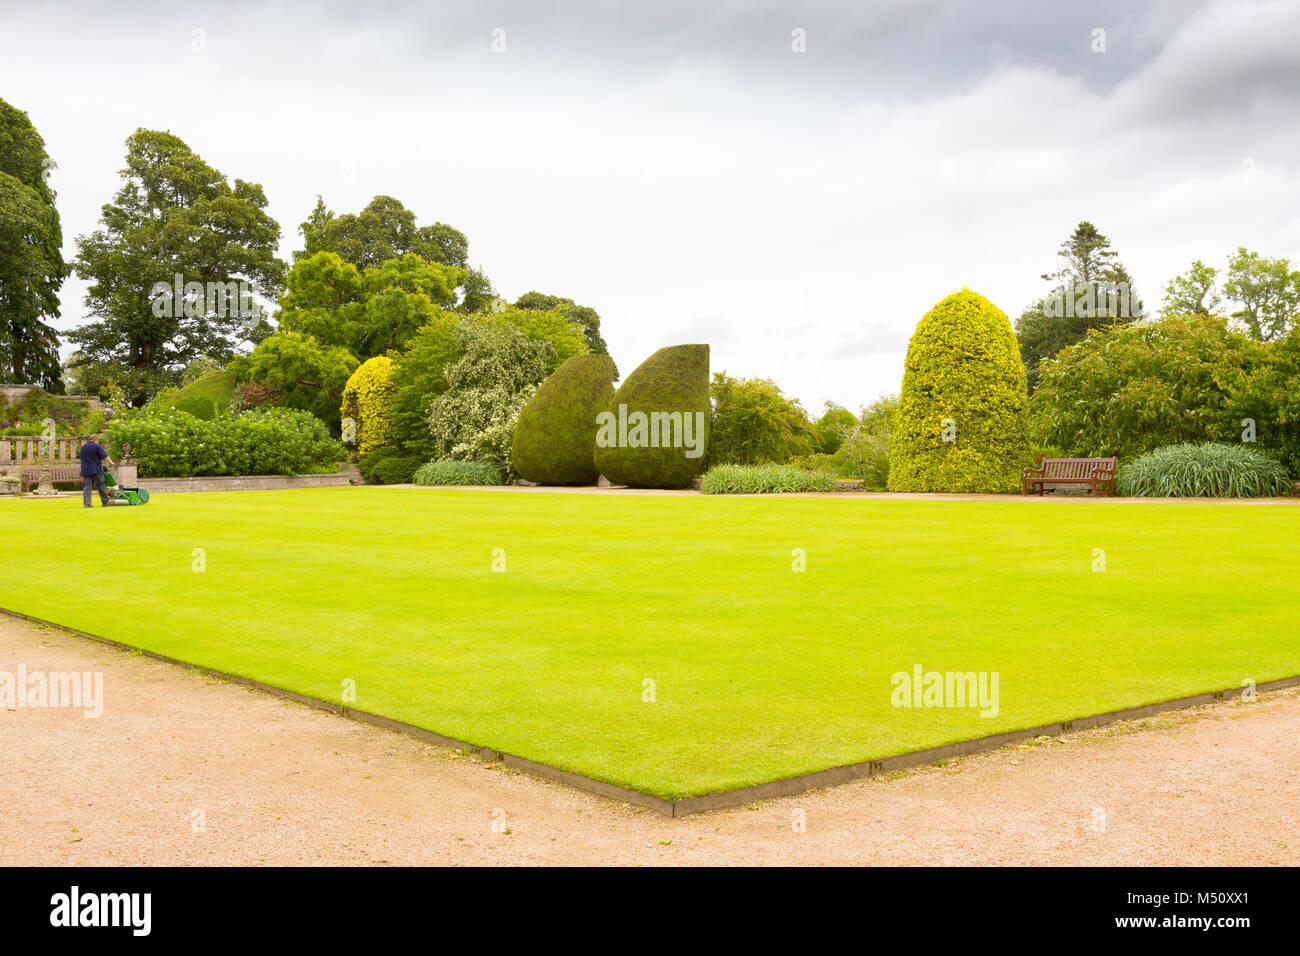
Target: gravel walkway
182,769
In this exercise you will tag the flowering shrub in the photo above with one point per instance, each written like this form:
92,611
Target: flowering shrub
273,441
368,401
487,388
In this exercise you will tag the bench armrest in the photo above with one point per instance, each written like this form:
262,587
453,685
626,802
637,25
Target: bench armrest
1035,470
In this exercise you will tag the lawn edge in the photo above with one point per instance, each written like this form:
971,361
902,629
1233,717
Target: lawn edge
684,806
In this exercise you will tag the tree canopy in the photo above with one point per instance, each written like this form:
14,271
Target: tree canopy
31,262
175,215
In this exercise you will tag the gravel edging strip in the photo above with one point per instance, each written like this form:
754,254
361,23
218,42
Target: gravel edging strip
685,806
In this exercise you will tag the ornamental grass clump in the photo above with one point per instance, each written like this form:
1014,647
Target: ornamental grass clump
1210,470
763,479
449,472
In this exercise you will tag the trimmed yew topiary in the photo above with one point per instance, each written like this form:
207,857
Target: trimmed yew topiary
654,432
556,432
963,423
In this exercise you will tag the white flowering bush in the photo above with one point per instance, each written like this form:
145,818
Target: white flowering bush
498,372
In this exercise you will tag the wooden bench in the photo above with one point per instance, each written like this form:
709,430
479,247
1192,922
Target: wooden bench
1097,473
59,475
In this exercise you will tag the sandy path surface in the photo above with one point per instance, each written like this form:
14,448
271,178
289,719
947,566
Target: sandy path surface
182,769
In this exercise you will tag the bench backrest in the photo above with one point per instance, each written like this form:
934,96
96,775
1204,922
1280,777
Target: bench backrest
1075,468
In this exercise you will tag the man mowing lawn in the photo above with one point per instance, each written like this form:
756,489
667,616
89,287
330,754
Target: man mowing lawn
93,457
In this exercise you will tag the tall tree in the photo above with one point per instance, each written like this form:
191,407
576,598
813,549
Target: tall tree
1092,290
1267,291
587,318
386,230
1262,293
1193,292
31,262
174,216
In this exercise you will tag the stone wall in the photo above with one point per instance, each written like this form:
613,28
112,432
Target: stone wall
238,483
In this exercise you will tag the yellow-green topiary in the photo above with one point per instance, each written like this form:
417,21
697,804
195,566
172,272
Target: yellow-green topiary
368,405
963,421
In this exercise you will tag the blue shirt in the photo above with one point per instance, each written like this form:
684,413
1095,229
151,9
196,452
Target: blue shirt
91,456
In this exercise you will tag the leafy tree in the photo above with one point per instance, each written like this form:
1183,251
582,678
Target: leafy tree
865,447
386,230
1129,389
308,375
419,376
584,316
1263,294
830,430
174,214
31,262
1267,291
368,313
962,418
753,422
552,327
1092,290
1192,293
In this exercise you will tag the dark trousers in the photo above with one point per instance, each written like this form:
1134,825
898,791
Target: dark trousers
97,483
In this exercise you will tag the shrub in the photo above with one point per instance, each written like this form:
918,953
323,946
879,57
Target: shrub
368,402
673,380
555,436
174,444
387,466
1128,389
754,422
962,419
487,387
1202,471
449,472
419,376
206,396
763,479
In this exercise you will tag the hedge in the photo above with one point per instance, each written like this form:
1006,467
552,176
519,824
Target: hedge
666,396
963,414
555,435
174,444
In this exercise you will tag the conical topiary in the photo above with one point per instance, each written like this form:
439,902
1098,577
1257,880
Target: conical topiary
654,433
963,421
556,432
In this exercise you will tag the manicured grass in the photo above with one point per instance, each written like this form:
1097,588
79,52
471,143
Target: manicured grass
759,672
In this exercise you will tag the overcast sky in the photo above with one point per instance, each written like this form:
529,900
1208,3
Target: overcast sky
679,167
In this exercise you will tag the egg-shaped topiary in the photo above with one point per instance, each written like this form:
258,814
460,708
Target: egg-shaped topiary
963,421
556,431
655,431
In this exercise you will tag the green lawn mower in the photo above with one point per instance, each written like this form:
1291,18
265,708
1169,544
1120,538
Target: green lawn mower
117,495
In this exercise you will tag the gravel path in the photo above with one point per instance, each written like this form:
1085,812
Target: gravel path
182,769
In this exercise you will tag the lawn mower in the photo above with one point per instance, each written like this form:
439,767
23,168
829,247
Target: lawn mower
117,495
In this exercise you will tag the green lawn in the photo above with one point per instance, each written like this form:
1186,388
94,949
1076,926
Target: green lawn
759,672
